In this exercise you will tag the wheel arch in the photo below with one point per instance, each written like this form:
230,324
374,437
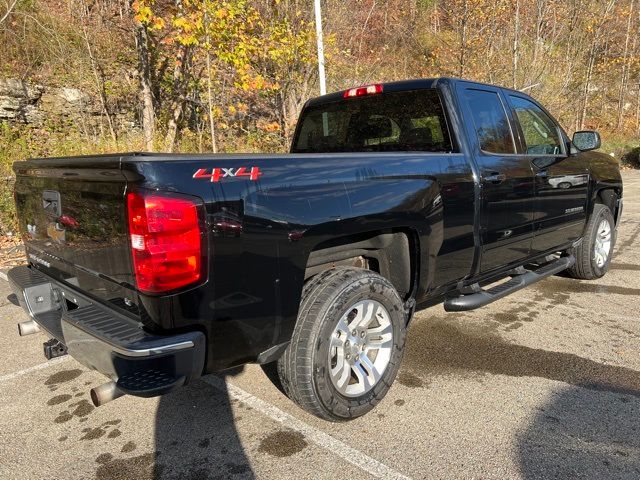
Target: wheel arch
609,197
393,253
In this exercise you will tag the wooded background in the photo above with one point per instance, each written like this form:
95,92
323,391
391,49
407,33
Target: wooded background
82,76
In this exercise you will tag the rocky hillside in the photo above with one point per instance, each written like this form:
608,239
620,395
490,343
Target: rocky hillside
40,105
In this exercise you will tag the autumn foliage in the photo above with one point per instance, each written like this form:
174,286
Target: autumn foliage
228,75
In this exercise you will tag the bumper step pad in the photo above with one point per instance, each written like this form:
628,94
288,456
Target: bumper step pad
113,327
148,383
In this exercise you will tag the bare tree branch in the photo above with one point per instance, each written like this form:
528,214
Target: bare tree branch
11,7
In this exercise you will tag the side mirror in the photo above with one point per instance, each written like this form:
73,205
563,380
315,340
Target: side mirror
586,140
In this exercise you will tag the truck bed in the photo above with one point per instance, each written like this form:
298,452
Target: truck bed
266,226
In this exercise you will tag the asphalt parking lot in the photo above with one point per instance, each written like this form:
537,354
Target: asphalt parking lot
542,384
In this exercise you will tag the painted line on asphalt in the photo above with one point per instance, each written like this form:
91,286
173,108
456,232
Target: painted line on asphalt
320,438
35,368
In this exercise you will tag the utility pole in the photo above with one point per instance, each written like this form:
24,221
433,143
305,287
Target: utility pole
323,85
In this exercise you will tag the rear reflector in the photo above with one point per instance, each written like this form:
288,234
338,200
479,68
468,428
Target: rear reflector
361,91
166,240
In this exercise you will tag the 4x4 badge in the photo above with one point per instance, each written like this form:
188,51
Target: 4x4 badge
219,173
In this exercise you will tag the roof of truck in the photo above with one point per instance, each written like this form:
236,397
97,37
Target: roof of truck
402,85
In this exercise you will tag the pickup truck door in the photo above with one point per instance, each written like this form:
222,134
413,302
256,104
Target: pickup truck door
561,181
507,183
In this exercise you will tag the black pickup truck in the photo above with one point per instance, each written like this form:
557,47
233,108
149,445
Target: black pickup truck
156,269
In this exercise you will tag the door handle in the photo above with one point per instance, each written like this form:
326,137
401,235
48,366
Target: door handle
495,178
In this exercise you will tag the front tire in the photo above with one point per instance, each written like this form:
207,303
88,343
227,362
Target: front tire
347,345
593,255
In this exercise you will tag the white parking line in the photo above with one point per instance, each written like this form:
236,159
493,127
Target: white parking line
344,451
324,440
35,368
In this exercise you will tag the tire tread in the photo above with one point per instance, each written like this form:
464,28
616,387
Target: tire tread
295,367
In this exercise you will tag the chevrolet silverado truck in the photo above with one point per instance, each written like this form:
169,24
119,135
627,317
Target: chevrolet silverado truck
155,269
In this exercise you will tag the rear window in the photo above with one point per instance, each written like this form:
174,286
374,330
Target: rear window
388,122
491,122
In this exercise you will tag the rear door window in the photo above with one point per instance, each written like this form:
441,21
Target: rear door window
490,120
388,122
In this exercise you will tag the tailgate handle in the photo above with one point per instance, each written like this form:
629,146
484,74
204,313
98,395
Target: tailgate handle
51,202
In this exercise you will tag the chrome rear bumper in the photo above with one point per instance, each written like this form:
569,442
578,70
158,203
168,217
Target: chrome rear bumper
104,339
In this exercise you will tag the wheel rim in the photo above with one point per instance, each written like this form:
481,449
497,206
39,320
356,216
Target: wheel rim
360,348
602,245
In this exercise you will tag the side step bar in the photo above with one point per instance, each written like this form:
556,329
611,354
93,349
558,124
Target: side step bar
479,297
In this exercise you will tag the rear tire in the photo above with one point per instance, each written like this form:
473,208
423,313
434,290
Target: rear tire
593,255
347,345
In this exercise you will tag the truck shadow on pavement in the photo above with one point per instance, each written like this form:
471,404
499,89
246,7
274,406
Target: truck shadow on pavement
195,439
441,346
196,436
589,429
583,434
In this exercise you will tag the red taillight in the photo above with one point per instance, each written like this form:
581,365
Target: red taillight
361,91
166,241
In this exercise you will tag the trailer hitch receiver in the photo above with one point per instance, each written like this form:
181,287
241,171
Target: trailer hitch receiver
54,348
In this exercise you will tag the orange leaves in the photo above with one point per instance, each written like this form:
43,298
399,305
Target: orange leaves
243,108
143,15
158,23
186,30
270,127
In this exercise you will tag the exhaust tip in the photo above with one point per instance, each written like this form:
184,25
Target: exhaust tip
28,328
105,393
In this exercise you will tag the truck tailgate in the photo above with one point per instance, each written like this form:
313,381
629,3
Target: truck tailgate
72,216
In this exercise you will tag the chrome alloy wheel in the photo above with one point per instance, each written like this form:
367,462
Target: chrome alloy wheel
360,348
602,245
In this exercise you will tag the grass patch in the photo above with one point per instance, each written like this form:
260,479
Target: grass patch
625,149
